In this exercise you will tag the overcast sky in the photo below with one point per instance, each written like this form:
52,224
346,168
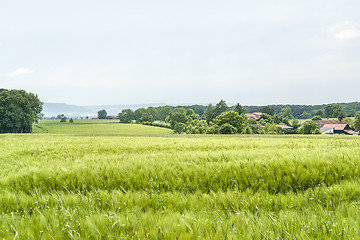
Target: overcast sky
88,52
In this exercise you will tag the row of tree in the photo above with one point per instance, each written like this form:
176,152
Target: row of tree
220,118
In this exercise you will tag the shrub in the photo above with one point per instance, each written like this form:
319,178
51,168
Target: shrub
180,127
308,128
232,118
316,131
247,130
227,129
317,117
213,129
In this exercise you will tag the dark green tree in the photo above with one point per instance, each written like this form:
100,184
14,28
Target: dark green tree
319,112
239,109
357,123
316,117
268,110
163,112
341,115
220,107
209,113
286,113
146,117
176,117
227,129
266,118
102,114
18,111
180,127
334,111
153,112
138,114
232,118
126,116
305,115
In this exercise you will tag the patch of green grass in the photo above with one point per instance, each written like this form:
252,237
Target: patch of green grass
186,187
96,127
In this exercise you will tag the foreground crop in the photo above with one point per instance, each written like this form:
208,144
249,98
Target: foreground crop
179,187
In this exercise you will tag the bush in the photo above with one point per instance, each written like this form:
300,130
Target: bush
214,129
63,119
272,128
308,128
227,129
317,117
247,130
316,131
157,124
180,127
232,118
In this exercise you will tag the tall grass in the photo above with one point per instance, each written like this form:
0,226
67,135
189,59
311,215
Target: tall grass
214,187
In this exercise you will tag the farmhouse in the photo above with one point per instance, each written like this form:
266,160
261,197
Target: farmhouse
334,127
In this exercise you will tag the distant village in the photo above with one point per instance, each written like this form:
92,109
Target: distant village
333,126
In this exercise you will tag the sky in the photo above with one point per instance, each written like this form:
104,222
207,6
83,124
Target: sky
109,52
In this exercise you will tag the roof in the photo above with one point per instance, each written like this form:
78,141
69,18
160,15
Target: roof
337,127
255,115
321,123
349,131
325,130
284,127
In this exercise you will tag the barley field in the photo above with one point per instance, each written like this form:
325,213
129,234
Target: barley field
61,186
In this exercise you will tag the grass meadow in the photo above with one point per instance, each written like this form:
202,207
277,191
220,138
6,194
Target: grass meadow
64,186
97,127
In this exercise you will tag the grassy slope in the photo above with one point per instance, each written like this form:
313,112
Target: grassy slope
55,186
97,127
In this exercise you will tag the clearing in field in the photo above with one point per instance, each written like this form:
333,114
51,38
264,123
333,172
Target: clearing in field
197,187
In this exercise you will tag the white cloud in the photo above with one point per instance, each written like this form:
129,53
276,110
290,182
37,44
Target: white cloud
20,71
346,30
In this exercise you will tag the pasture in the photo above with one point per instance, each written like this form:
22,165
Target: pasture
61,186
97,127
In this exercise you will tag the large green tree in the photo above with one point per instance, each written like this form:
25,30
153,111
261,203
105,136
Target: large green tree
211,112
18,111
102,114
176,117
286,113
239,109
232,118
126,116
138,114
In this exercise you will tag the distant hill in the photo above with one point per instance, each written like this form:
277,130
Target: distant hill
54,109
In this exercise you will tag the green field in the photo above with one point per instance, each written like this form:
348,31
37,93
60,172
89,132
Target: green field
63,186
97,127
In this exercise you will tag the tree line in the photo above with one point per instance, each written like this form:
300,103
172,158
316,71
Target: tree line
220,118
